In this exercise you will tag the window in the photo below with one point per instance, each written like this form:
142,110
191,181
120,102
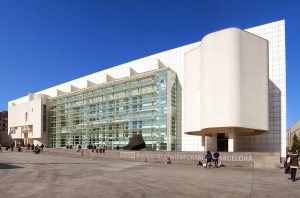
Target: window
26,116
134,125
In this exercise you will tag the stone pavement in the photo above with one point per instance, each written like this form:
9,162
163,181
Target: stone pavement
26,174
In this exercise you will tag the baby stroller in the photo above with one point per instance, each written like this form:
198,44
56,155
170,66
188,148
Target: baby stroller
36,150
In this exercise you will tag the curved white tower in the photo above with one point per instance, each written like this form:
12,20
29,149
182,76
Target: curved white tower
226,85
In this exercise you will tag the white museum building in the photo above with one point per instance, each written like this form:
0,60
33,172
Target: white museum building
226,93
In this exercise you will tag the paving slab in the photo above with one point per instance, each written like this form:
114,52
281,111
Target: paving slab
24,174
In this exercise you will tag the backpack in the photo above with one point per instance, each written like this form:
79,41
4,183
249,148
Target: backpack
208,156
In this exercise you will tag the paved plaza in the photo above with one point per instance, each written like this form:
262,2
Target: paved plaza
24,174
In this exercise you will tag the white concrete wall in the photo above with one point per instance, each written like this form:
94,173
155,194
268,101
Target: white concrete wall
275,139
234,80
34,110
226,82
192,90
17,117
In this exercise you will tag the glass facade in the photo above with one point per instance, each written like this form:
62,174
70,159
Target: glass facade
111,113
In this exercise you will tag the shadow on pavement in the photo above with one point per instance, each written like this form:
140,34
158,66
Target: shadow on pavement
50,163
8,166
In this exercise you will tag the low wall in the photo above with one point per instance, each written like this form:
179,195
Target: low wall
235,159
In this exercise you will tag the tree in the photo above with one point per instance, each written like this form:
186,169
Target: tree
296,143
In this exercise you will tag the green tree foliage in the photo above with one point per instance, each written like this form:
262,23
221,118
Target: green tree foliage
296,143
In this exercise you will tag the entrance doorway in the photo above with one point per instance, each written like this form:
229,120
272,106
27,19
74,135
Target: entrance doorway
222,142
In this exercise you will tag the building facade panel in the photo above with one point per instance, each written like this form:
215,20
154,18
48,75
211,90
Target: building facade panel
4,138
27,121
113,112
275,34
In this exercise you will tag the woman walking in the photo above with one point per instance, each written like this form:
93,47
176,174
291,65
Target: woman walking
208,158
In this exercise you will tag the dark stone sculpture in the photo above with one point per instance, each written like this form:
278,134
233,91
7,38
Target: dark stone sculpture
136,143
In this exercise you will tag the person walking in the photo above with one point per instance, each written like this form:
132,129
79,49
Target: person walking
216,159
293,160
42,147
78,147
104,148
208,158
100,148
0,147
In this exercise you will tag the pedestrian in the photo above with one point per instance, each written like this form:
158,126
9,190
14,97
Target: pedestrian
12,147
97,149
32,146
104,148
208,158
78,147
216,159
100,148
293,160
0,147
118,147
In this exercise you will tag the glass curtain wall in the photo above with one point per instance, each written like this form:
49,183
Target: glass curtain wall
112,113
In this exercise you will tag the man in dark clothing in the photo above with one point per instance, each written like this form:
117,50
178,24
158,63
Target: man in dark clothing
216,159
293,160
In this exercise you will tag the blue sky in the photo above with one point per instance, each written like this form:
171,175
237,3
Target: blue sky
45,43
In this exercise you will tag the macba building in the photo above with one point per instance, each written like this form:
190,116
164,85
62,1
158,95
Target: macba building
226,93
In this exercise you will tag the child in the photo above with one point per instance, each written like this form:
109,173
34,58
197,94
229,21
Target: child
168,160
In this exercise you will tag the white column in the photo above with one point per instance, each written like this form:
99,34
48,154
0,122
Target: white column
232,140
203,145
213,142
